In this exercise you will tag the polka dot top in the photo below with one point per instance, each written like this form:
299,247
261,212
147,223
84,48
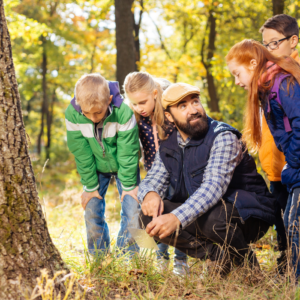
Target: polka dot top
150,139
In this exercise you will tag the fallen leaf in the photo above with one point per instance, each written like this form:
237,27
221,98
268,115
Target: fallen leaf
124,285
192,297
85,283
137,273
117,296
268,247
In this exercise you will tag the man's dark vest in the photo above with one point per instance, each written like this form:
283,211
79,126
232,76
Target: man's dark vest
186,168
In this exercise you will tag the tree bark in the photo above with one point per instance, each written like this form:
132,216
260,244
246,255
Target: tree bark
213,103
25,243
278,7
124,39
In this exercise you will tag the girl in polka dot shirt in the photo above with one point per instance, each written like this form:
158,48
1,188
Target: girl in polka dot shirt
144,93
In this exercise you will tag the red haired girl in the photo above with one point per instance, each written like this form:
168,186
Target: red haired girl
273,85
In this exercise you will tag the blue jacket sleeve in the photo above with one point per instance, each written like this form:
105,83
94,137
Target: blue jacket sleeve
290,100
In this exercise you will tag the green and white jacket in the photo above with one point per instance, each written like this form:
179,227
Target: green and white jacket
119,152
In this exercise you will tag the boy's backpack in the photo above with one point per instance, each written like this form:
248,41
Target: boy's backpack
274,95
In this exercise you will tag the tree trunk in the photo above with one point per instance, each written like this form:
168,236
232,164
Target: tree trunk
44,110
49,123
124,39
137,26
25,243
278,7
213,104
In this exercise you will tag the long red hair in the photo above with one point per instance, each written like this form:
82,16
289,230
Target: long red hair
242,53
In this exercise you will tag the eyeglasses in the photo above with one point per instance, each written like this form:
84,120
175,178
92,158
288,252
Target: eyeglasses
275,44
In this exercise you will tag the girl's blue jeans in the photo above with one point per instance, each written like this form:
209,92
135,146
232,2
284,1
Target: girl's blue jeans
291,223
96,227
163,251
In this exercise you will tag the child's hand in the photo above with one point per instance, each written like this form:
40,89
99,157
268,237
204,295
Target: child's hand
132,193
86,197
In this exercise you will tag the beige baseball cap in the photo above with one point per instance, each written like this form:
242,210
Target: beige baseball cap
176,92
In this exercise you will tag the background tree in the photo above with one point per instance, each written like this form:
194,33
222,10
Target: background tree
25,244
124,39
278,7
137,26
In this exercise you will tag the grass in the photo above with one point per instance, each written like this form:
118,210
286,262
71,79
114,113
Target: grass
116,277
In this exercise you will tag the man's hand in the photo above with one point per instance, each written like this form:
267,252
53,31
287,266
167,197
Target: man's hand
132,193
86,197
152,206
163,226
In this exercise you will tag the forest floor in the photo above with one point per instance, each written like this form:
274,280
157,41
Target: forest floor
113,277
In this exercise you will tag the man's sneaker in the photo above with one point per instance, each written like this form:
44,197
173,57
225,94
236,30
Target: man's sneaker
181,268
220,267
282,263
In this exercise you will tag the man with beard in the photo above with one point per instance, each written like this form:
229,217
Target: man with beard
220,203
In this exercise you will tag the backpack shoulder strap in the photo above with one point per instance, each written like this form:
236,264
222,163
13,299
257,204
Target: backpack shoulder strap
274,94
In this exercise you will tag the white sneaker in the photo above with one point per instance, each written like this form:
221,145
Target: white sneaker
163,264
181,268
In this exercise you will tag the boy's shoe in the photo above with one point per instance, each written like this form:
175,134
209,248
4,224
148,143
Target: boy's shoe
163,264
181,268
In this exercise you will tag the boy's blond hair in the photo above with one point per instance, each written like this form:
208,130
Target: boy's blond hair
92,90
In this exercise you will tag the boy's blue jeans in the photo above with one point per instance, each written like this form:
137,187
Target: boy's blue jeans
97,229
164,253
291,222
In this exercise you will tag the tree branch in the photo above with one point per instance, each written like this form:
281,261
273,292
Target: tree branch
160,38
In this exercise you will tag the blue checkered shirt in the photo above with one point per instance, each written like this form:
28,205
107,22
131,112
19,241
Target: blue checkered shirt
225,155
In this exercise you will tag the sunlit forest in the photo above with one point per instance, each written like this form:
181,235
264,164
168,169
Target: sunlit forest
55,42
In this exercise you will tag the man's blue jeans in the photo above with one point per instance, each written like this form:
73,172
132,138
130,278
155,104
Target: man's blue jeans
97,229
164,253
291,223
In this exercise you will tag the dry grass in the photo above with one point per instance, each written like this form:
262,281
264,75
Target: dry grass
114,277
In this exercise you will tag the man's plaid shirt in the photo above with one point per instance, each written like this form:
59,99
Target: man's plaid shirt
225,155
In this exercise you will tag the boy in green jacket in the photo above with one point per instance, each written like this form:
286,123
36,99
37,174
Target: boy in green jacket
103,136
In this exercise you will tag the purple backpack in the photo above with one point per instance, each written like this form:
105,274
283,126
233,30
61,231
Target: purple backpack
274,94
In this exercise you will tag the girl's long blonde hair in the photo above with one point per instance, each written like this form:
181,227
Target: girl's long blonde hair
242,53
143,81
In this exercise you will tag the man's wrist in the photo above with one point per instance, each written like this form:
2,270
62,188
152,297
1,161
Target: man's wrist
150,195
177,220
178,215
